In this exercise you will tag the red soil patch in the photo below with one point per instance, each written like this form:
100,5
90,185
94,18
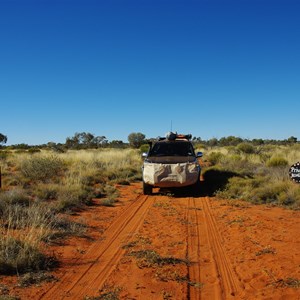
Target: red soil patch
165,247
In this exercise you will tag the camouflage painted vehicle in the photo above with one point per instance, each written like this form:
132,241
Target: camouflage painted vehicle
171,162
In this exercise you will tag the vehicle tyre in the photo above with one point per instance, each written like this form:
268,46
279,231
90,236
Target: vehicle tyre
147,189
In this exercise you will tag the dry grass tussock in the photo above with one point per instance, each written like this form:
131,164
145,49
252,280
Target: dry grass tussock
23,225
102,165
261,176
41,189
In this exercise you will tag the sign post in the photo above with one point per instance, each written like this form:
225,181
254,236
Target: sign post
295,172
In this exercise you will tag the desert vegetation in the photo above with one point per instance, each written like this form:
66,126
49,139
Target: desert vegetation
41,190
43,186
256,173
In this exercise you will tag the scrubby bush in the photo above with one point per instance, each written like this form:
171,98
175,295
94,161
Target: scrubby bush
71,198
34,150
215,157
144,148
246,148
110,191
261,190
99,167
17,256
17,215
277,162
136,139
62,227
42,168
238,163
123,174
20,252
45,192
68,181
15,197
290,196
4,154
260,176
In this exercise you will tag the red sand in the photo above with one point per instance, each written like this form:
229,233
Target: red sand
224,250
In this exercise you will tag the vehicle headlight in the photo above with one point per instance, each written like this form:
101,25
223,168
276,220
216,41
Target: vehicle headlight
193,167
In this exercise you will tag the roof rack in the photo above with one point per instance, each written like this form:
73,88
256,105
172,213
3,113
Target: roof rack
172,136
184,136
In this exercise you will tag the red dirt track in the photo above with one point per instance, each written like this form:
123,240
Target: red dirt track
215,250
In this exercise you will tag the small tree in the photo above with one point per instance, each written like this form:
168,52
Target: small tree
99,141
213,142
84,140
292,140
3,139
116,144
136,139
230,141
258,142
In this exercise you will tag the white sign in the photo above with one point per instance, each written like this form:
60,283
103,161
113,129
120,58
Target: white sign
295,172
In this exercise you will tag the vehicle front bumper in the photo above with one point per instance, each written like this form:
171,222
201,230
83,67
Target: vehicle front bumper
171,175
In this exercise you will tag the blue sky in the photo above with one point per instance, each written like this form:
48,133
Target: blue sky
213,68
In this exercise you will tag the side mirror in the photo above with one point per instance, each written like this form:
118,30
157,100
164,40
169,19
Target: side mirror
199,154
144,154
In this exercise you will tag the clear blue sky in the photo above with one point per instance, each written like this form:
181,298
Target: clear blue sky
112,67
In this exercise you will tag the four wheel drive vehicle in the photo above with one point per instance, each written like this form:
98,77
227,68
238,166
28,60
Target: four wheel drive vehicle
171,162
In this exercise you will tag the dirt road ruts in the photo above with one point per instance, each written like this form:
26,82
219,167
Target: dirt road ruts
224,249
209,261
100,260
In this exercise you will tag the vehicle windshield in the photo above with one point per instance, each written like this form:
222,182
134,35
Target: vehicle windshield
172,149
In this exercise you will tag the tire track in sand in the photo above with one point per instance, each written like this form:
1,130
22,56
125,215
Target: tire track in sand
100,260
212,268
193,249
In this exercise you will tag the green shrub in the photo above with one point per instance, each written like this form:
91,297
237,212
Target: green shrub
4,154
15,216
63,227
235,157
34,150
200,147
122,174
236,188
242,166
264,194
20,257
15,197
290,195
110,191
246,148
264,157
67,225
260,190
128,174
144,148
216,179
215,157
42,168
35,278
73,197
32,216
276,162
46,192
90,180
